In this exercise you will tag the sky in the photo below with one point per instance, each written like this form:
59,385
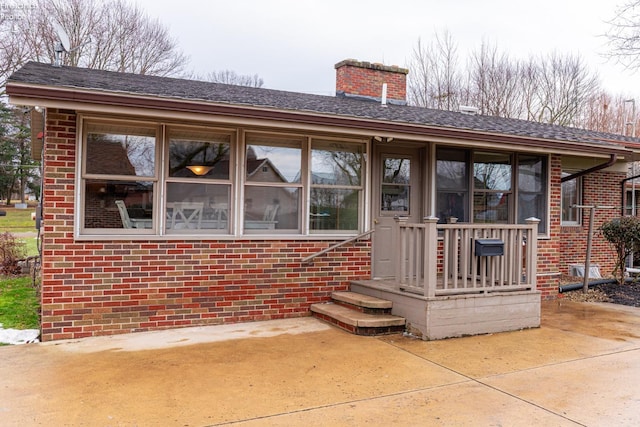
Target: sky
294,45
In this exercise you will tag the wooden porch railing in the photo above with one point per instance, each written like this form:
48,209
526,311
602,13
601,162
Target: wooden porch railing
439,259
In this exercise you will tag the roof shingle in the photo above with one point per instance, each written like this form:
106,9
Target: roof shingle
38,74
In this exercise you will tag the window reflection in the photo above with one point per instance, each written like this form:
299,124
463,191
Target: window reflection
395,191
336,164
118,204
336,177
119,154
492,171
120,149
271,208
199,155
334,209
273,160
195,207
452,184
396,171
532,192
571,195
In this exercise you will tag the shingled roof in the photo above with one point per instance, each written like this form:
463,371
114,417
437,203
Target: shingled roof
37,80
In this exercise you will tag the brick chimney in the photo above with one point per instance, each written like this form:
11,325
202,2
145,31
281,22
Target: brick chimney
364,80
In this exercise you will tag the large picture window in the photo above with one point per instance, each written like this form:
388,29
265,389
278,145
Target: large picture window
198,188
119,177
272,195
159,179
491,187
336,186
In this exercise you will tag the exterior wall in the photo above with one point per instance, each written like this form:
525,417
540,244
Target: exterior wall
366,79
600,188
111,287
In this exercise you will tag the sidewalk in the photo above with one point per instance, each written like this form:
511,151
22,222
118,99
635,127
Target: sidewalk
582,367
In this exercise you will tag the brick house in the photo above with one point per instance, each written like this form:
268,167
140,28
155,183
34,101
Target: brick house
171,203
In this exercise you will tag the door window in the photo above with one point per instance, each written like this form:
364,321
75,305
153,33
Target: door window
396,185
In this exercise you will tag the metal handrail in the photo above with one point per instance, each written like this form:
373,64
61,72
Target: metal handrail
337,245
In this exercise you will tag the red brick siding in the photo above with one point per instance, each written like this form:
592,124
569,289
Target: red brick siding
600,188
110,287
365,79
549,249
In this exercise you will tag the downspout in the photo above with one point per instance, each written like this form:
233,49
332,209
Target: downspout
612,160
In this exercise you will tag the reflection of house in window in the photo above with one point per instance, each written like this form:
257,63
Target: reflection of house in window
258,200
108,156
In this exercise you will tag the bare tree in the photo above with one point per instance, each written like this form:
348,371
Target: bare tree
494,82
623,39
435,80
564,85
555,88
232,78
603,112
107,35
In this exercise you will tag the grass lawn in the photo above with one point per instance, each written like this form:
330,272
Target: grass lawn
19,305
31,245
17,220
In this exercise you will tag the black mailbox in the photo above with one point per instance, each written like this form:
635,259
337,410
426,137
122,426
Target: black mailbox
489,247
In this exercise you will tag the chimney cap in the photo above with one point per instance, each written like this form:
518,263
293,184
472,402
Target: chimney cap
369,65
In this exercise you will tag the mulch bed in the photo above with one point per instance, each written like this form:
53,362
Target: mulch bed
625,294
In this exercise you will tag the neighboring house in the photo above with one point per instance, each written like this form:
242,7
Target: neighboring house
228,189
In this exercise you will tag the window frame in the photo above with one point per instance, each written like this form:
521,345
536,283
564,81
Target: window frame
237,182
469,154
167,179
579,194
510,192
84,177
340,187
245,182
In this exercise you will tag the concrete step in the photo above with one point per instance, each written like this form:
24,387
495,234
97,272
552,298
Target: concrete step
357,322
361,300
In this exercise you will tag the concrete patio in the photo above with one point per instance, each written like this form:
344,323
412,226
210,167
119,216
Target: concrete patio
581,367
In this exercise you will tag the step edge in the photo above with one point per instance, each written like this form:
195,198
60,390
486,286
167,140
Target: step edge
345,315
361,300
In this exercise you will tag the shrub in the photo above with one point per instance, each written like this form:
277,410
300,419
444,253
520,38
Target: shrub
12,250
624,235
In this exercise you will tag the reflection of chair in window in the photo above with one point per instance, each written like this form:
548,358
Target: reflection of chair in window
128,222
186,214
270,213
219,215
124,215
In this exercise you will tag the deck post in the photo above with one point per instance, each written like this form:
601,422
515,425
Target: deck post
532,252
401,250
430,255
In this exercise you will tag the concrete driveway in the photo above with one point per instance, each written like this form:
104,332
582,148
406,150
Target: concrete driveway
582,367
